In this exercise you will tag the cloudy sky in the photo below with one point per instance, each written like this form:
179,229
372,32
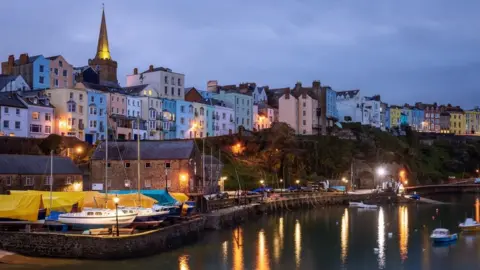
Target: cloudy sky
408,50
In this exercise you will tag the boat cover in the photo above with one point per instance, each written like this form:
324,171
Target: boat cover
160,195
21,206
60,201
97,199
181,197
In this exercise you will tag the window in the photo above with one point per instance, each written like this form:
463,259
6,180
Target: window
128,112
28,181
148,165
5,124
48,117
17,125
101,100
173,80
65,73
179,82
127,164
156,103
248,122
55,70
236,100
5,109
182,120
71,96
178,91
248,102
173,91
138,103
243,121
68,180
304,113
8,181
166,79
60,63
47,181
41,79
202,111
56,82
35,115
304,132
42,68
182,108
304,104
92,99
17,111
48,129
201,134
80,108
109,165
148,183
118,99
123,100
71,107
35,128
304,122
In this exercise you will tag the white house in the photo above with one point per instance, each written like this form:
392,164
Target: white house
372,111
224,123
259,94
169,84
9,83
13,116
41,115
349,106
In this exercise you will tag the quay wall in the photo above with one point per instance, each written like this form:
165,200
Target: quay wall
104,247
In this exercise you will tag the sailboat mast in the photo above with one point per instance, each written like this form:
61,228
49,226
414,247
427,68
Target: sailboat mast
138,161
106,164
51,179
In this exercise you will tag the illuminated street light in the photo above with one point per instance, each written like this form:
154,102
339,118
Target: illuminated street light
183,177
223,178
281,180
261,181
116,200
297,181
344,179
79,149
381,171
406,182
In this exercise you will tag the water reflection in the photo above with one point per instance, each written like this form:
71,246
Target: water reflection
477,210
344,236
278,241
403,228
225,251
263,262
381,239
183,263
237,249
298,243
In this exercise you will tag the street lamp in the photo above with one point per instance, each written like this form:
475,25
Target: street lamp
261,181
116,200
297,181
79,150
381,171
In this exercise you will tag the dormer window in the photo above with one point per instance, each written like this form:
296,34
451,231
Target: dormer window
35,101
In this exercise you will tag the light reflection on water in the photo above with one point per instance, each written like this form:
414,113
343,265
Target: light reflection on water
278,241
381,239
237,249
263,262
183,262
298,243
344,237
403,231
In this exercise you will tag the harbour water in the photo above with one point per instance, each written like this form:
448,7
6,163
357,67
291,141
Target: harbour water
392,237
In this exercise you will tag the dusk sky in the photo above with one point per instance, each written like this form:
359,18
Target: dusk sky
406,51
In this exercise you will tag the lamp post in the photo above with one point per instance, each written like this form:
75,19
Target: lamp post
261,182
116,200
381,172
283,184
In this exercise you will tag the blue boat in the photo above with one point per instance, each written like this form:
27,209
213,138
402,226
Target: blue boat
442,235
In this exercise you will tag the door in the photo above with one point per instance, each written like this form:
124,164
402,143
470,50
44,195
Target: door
89,138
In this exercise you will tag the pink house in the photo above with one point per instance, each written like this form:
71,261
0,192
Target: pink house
61,72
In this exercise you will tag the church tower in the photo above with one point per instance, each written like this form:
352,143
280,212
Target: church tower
103,63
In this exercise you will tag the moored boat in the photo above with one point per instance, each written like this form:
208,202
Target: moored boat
442,235
147,214
469,225
91,218
362,205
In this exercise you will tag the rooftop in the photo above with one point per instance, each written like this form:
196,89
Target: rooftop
149,150
11,100
36,165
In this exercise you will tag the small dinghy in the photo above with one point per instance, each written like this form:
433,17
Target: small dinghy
469,225
362,205
442,235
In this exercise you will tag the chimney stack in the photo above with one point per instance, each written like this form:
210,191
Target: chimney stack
135,71
150,68
23,59
316,85
298,85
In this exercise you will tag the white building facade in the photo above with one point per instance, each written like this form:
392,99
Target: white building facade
349,106
169,84
11,83
224,119
13,116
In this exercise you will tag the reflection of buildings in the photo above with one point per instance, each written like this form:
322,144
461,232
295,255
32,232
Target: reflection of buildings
403,228
344,237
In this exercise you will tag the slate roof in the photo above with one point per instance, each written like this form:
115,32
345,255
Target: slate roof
134,89
104,88
42,100
158,69
36,165
349,93
31,59
149,150
53,57
6,79
207,159
11,100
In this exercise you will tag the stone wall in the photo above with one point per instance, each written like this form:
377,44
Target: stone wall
104,248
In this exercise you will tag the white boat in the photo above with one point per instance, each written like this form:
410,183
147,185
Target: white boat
147,214
469,225
442,235
97,218
362,205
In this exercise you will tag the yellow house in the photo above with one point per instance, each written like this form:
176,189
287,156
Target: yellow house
457,122
472,121
70,111
395,113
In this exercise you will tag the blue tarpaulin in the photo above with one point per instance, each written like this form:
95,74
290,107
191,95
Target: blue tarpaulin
161,195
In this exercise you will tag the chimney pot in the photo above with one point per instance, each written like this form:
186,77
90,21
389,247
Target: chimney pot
150,68
135,71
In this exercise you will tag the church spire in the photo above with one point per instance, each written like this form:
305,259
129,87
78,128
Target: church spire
103,52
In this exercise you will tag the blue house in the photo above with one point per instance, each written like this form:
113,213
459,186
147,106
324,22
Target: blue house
387,118
34,69
331,102
96,116
418,118
169,118
184,120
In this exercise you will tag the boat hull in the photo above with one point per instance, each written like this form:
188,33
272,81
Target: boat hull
97,222
445,239
155,216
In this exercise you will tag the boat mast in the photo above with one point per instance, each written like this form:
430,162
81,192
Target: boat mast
51,179
138,161
106,164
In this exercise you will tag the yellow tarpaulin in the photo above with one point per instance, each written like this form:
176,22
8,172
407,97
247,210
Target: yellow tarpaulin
97,199
20,206
181,197
60,201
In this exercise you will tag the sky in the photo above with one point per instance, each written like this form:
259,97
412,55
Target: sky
406,51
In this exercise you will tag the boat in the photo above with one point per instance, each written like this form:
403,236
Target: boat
176,210
362,205
91,218
147,214
442,235
469,225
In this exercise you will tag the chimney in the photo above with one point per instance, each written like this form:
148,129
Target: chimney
298,85
135,71
23,59
150,68
316,85
287,93
10,64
